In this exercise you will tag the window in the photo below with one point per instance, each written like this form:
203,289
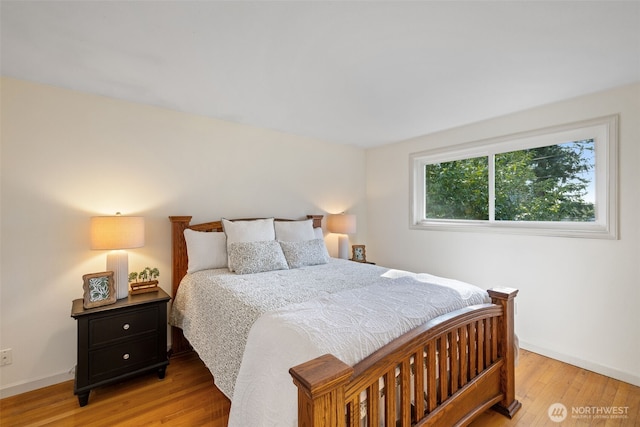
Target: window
559,181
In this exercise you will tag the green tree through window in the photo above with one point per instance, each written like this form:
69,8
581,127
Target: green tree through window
549,183
545,184
458,189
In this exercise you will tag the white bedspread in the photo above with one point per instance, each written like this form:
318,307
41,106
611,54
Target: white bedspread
216,308
344,308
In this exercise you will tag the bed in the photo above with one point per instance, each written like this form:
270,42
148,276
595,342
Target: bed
295,356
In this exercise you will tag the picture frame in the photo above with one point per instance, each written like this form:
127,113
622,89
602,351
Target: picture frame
358,253
99,289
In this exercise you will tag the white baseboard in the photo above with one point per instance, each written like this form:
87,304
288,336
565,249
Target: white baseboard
30,385
23,387
585,364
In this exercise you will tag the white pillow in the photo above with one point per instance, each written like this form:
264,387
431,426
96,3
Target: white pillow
294,231
205,250
248,231
318,233
256,257
300,254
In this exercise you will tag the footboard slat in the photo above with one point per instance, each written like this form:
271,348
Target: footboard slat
432,401
419,386
353,411
487,339
390,397
419,378
473,351
454,360
405,392
463,333
481,346
442,370
373,404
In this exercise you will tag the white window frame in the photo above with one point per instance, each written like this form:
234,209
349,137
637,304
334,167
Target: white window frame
603,130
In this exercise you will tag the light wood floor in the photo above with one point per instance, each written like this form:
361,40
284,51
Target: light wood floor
187,397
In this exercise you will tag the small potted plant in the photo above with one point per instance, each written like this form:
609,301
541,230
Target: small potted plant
144,281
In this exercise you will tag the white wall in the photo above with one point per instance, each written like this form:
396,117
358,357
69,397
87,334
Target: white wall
578,299
67,156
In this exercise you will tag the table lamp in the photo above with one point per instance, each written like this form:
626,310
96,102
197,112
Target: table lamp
342,224
116,233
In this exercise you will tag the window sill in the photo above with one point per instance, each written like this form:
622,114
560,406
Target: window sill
579,230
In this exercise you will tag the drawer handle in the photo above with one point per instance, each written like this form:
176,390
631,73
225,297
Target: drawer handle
125,356
126,326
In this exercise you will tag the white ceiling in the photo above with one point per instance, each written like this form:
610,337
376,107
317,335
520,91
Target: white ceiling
362,73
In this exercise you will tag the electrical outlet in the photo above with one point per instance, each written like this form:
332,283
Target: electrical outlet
6,357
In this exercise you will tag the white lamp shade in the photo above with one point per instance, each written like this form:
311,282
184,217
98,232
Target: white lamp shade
117,232
341,223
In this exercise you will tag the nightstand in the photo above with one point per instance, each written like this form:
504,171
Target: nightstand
120,340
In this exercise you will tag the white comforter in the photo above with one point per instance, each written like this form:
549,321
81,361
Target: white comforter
287,317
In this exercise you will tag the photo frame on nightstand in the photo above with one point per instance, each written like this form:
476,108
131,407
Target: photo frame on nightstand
99,289
358,253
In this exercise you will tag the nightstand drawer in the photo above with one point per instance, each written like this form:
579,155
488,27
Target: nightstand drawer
122,358
116,327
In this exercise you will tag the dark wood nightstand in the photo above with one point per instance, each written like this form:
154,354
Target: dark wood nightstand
120,340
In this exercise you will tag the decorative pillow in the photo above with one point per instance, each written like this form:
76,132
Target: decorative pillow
256,257
310,252
294,231
247,231
205,250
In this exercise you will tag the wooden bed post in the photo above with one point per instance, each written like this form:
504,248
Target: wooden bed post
321,384
179,343
505,298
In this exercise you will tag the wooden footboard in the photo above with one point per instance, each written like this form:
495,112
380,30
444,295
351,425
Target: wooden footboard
445,372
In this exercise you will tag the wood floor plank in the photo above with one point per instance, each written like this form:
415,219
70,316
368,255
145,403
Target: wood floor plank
187,397
541,382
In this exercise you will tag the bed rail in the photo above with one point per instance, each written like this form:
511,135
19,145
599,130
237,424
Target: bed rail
445,372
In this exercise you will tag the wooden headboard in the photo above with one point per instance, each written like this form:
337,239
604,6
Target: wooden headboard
180,260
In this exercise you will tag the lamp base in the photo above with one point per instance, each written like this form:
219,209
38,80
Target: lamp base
118,262
343,246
